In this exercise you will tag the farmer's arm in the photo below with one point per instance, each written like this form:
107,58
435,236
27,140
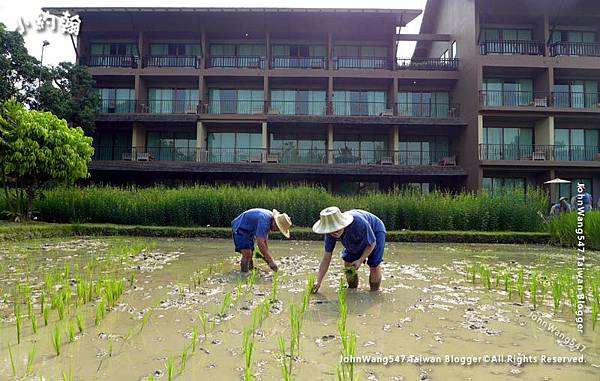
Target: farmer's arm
368,250
323,267
264,249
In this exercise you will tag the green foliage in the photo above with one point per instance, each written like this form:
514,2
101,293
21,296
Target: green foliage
68,92
39,149
18,70
562,229
217,206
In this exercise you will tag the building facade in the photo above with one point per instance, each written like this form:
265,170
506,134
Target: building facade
271,96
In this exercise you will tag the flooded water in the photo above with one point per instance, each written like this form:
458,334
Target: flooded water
426,307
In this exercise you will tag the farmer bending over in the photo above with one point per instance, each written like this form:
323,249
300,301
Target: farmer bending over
257,223
363,236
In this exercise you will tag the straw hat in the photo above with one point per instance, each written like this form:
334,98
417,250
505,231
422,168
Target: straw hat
332,219
283,222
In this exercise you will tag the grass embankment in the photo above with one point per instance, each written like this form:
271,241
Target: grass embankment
13,232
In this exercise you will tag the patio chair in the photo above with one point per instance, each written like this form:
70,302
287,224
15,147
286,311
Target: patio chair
273,158
447,160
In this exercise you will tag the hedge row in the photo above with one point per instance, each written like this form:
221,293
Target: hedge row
562,230
217,206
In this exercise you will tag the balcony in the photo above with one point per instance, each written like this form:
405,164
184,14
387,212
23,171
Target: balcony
503,98
424,63
563,48
117,106
532,48
171,61
128,153
313,156
576,100
539,152
428,109
237,62
298,107
287,62
360,108
381,63
232,106
110,61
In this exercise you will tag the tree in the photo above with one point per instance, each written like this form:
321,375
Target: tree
39,149
68,92
18,70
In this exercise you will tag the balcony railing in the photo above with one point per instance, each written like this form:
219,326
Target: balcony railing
563,48
118,152
171,61
575,99
539,152
117,106
513,98
233,155
168,106
361,108
424,63
286,62
533,48
110,61
228,106
361,63
237,62
428,110
297,156
316,156
298,107
129,153
425,157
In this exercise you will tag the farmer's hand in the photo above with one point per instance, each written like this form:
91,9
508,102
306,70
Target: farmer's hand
356,264
316,287
273,266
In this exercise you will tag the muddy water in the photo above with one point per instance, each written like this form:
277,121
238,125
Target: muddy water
425,307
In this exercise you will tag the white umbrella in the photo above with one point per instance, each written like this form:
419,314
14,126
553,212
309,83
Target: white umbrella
557,181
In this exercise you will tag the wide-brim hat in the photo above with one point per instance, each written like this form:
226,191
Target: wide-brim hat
563,199
332,219
283,222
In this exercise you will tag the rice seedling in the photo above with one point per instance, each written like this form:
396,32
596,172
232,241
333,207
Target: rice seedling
151,377
34,323
79,320
520,285
110,346
12,361
60,308
194,338
533,288
594,314
286,367
274,286
183,359
67,376
56,342
45,314
30,360
556,292
251,280
202,318
169,366
42,301
18,321
29,307
295,326
99,313
227,300
70,331
248,344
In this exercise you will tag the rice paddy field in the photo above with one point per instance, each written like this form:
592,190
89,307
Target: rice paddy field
136,309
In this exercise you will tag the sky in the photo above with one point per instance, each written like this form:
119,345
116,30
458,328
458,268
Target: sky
61,48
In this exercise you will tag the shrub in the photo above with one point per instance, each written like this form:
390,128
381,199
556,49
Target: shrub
562,230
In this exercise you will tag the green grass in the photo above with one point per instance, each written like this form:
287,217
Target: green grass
217,206
562,230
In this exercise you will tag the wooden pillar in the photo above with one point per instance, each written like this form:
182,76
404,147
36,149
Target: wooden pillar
330,144
394,96
141,48
268,50
204,48
200,141
329,107
266,93
395,144
265,142
329,51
